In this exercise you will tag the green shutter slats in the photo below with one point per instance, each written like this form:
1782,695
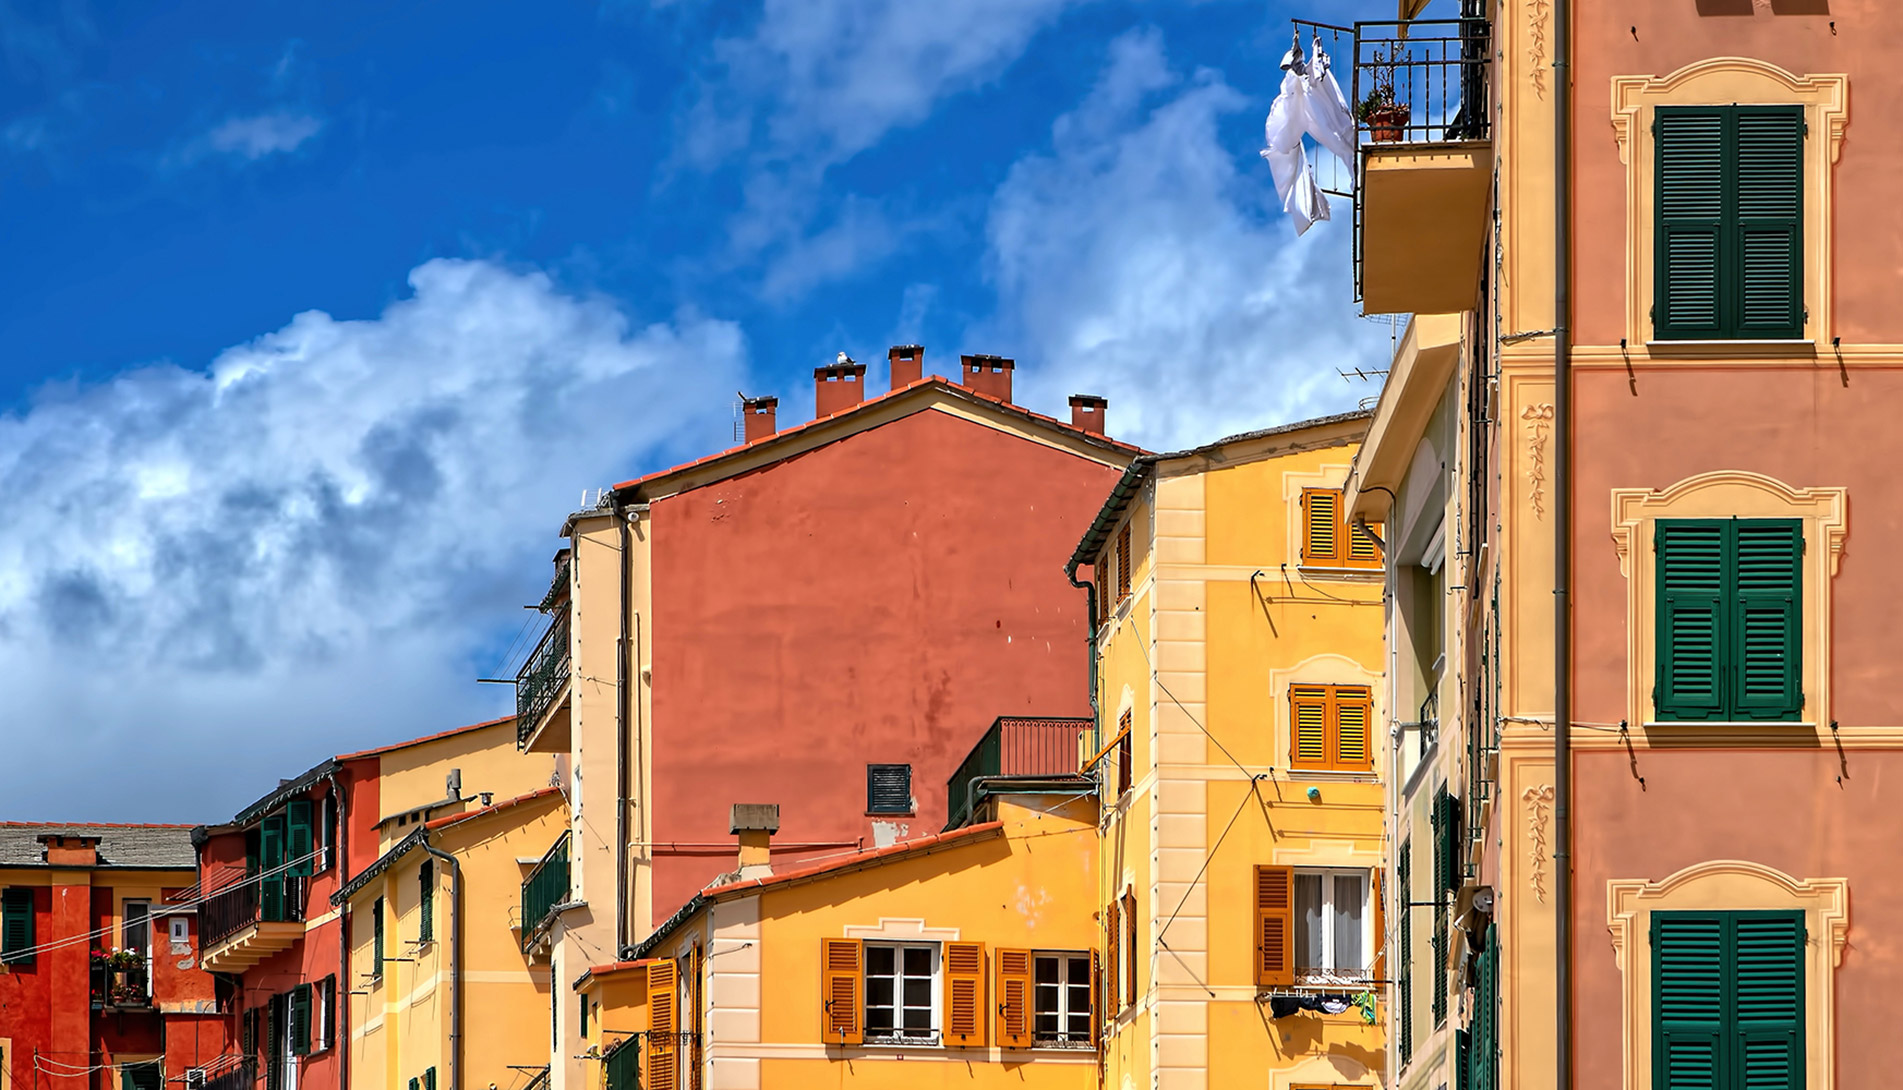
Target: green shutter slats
1767,619
1730,619
1691,583
1728,1000
16,926
1404,991
299,841
1729,229
271,856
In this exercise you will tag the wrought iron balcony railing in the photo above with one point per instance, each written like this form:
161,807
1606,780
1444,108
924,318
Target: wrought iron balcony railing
228,1072
542,678
545,887
248,902
1013,746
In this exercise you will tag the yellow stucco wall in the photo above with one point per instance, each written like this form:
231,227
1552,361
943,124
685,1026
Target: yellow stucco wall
415,775
1223,619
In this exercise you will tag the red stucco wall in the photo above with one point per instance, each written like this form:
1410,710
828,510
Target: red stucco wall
878,600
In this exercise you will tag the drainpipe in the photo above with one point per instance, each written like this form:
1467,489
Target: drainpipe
340,1012
455,961
1563,540
622,900
1090,649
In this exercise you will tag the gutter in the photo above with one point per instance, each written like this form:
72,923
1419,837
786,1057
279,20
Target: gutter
621,517
342,1016
1562,543
455,960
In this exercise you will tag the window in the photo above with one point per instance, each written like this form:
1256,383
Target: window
623,1065
1730,619
376,938
888,789
1728,239
135,932
1328,540
324,1014
300,841
327,829
142,1076
16,926
426,901
1331,912
1130,945
1728,1000
1061,998
1125,754
584,1018
1123,563
901,987
1329,728
298,1007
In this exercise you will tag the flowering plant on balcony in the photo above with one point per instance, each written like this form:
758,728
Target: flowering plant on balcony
1379,110
118,958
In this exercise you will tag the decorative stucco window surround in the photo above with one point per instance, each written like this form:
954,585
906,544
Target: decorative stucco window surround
1729,885
1327,669
1728,81
1722,495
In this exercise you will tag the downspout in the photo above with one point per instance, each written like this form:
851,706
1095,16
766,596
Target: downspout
1563,541
455,961
1090,652
340,1012
622,900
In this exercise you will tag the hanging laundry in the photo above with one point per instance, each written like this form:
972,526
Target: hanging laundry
1281,1006
1310,103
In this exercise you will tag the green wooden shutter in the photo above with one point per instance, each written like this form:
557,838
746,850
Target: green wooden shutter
624,1067
426,901
142,1076
1767,619
429,1078
1688,1001
1486,1019
1688,234
16,926
1692,577
271,856
1463,1059
327,1023
1767,252
300,1018
298,841
1404,991
1768,956
376,938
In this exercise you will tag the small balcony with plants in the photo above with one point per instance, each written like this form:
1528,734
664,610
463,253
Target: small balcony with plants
121,980
1423,111
544,889
1013,747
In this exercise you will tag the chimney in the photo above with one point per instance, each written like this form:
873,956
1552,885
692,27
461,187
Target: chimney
71,851
989,375
755,823
838,386
762,415
1086,412
908,364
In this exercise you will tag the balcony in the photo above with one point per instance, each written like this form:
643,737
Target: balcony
1014,746
541,692
546,887
250,921
227,1072
121,981
1423,128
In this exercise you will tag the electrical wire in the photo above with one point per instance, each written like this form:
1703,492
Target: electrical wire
1157,677
1210,857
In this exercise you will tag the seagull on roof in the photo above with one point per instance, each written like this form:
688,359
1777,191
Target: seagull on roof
844,359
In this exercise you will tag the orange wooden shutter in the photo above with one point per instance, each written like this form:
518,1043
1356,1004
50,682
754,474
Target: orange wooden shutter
1353,709
1014,998
1308,724
1113,942
1378,965
1123,563
1362,551
664,1026
1274,926
1321,522
1096,1000
1130,940
842,981
965,993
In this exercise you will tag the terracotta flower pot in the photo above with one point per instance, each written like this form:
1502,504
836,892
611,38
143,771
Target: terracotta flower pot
1387,123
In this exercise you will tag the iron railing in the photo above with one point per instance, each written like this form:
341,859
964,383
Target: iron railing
121,987
248,902
1013,746
228,1072
541,679
538,1081
557,587
544,888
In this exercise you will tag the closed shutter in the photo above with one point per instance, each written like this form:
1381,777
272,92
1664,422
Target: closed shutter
1123,563
1728,1000
376,938
1378,905
1463,1059
663,1027
429,1078
1769,143
1130,960
1362,550
300,1017
623,1067
142,1076
327,1022
426,901
1014,998
1126,755
1690,629
888,789
1096,1000
1688,1001
16,926
1274,926
841,991
1767,619
1113,947
1689,230
299,838
271,856
1486,1020
965,993
1353,710
1446,844
1768,955
1308,711
1404,986
1321,516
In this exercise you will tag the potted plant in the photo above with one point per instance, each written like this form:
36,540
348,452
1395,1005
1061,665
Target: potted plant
1385,117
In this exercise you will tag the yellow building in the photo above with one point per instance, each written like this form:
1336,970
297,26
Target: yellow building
442,991
960,959
1240,667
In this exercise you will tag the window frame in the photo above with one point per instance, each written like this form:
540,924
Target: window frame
1329,876
1728,642
1065,988
1331,695
1348,552
934,1037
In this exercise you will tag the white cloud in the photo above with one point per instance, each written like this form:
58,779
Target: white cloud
262,135
216,577
1144,260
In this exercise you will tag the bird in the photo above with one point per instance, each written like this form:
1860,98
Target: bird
844,359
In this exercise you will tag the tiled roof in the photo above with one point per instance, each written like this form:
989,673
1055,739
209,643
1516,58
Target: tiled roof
451,733
466,815
147,846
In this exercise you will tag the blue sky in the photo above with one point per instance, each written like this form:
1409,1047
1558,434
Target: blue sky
316,318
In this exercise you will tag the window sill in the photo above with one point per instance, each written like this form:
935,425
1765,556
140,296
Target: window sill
891,813
904,1042
1334,775
1693,725
1062,1046
1331,572
1733,349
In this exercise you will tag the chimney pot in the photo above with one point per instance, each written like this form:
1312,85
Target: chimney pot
755,823
838,387
1086,412
908,364
990,375
762,416
71,851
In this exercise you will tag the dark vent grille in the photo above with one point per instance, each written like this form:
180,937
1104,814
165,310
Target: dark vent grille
888,789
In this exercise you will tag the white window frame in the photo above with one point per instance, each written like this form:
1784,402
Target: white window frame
897,1036
1064,994
1328,969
